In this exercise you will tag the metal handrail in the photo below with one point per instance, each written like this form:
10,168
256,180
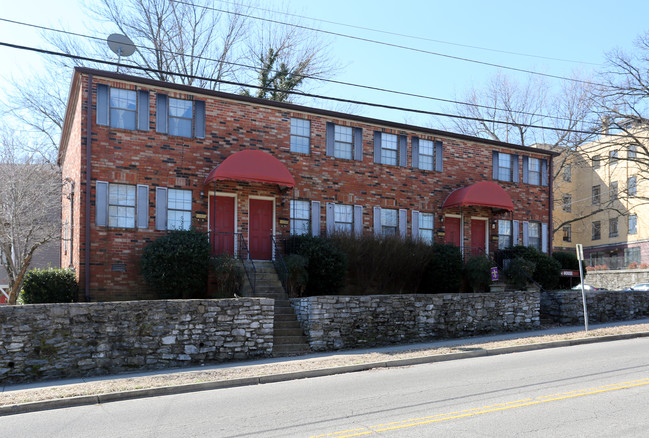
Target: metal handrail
244,256
279,264
529,278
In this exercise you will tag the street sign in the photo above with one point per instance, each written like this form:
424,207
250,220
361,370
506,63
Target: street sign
580,252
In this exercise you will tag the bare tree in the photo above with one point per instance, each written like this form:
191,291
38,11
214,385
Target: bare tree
30,199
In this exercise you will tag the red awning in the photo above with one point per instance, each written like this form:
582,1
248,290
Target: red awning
257,166
481,194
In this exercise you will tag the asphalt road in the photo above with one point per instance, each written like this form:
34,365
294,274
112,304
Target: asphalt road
586,390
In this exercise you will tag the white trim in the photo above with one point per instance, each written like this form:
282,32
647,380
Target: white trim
452,215
2,290
486,231
211,193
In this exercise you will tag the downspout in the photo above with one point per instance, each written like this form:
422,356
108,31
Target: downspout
550,204
88,188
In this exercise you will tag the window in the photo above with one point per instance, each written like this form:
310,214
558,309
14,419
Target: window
299,217
123,106
633,151
534,171
612,227
633,224
343,218
300,135
426,155
343,142
179,209
389,149
612,158
505,167
121,206
596,194
567,173
596,162
389,222
632,255
184,118
426,227
613,190
596,230
632,186
567,233
534,235
567,203
504,234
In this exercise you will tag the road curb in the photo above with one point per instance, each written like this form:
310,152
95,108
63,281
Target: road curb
274,378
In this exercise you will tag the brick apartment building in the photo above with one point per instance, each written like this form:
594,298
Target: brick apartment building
165,156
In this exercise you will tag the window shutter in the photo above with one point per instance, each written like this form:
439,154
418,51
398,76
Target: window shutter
525,170
330,218
102,104
377,147
526,237
101,204
143,110
377,221
439,156
315,218
358,144
403,222
142,206
414,142
161,113
199,119
515,168
358,220
544,172
403,151
415,224
495,165
331,136
544,237
514,233
160,208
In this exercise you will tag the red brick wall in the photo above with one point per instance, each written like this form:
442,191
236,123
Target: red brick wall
136,157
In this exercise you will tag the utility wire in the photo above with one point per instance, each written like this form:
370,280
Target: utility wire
313,77
299,93
384,43
415,37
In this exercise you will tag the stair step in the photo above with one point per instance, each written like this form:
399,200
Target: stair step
293,331
285,317
291,340
288,349
287,325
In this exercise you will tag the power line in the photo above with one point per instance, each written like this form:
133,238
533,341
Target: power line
313,77
384,43
415,37
299,93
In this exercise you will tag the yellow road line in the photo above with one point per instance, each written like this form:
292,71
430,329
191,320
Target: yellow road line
483,410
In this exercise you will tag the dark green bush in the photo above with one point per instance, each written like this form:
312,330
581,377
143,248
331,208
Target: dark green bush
177,264
547,270
228,275
477,271
568,260
443,273
326,264
519,272
298,274
50,285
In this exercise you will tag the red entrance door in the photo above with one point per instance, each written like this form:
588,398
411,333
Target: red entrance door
261,227
478,237
452,228
222,224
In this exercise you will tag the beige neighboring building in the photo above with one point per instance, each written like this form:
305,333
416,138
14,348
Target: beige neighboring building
601,189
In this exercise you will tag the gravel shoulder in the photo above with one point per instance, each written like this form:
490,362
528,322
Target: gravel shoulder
170,379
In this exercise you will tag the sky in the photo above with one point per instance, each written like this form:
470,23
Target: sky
553,37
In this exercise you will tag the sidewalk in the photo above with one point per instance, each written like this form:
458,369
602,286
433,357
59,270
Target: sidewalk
92,390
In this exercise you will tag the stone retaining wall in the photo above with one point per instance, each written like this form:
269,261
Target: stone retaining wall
47,341
566,307
337,322
617,280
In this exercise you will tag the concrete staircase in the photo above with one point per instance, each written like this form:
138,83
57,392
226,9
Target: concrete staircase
288,339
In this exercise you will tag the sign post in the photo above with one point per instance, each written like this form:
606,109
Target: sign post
580,257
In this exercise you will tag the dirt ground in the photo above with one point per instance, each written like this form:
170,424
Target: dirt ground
10,397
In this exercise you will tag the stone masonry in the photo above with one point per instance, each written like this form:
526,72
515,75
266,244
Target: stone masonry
566,307
337,322
47,341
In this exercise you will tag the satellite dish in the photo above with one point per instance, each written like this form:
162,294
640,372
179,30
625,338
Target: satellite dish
121,45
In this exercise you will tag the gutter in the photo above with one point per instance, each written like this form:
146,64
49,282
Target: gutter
88,187
550,206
